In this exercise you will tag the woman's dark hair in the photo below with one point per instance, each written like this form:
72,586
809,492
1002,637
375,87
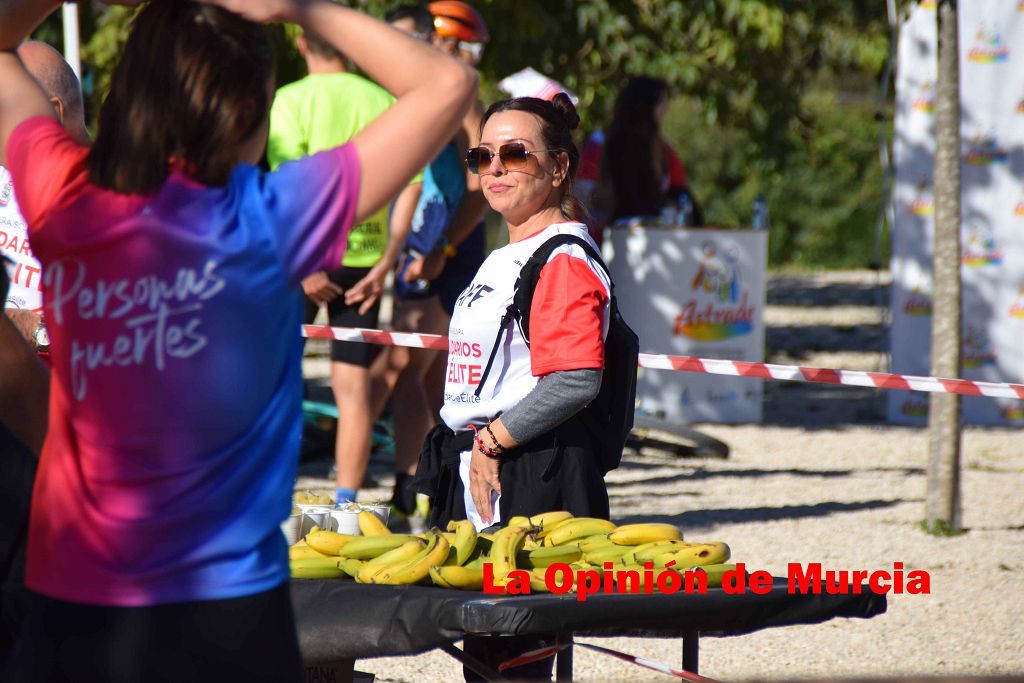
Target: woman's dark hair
422,19
191,88
558,120
634,157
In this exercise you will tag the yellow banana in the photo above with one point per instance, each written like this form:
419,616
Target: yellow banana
639,534
540,558
350,567
546,519
328,542
316,568
462,578
406,551
369,547
576,529
465,540
507,542
537,584
594,542
519,520
612,553
371,525
715,573
418,567
652,551
297,552
696,554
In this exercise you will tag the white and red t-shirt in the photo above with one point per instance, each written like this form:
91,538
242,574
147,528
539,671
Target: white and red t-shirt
568,324
26,289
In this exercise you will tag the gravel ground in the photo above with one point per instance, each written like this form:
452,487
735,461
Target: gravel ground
824,479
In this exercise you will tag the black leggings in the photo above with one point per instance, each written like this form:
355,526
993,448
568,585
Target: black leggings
244,639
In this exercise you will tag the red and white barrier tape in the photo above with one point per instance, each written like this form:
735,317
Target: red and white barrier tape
734,368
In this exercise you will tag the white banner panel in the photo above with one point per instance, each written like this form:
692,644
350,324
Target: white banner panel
992,169
693,292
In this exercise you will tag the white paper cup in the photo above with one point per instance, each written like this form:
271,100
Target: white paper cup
346,521
313,516
291,527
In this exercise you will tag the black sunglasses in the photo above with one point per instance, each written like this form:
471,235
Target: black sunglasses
513,155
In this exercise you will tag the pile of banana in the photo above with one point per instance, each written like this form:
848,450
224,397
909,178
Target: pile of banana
460,557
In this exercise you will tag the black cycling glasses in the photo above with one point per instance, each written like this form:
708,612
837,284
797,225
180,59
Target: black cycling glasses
513,155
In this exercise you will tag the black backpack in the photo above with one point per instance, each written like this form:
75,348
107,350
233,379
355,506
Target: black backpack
609,417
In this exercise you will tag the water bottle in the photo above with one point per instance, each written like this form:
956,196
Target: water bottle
760,221
684,211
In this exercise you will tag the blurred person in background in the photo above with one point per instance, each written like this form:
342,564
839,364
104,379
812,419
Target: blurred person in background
172,294
630,169
321,111
24,390
24,379
24,300
444,248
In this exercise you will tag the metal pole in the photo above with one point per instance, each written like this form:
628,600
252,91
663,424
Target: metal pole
72,52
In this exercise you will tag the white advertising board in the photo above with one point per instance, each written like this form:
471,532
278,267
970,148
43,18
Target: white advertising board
693,292
992,205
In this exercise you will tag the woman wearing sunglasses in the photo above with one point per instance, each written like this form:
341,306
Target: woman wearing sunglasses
523,454
172,294
509,444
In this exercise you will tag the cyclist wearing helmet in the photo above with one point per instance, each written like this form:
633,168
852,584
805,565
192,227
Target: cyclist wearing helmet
445,247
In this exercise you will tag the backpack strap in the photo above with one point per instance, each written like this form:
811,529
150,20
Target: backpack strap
526,283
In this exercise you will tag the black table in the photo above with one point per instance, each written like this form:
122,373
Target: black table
342,620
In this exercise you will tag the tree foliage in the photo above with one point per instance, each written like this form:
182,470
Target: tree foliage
758,86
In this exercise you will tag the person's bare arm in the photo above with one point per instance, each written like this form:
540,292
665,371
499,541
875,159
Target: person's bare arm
21,98
434,91
24,388
468,213
369,289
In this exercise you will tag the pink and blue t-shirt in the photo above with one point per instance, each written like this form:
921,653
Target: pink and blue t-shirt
175,406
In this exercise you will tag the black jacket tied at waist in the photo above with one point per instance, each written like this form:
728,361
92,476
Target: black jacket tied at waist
559,470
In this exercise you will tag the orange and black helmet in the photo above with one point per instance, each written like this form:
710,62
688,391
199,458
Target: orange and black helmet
454,19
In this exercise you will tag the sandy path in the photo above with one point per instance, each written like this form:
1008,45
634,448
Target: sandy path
825,480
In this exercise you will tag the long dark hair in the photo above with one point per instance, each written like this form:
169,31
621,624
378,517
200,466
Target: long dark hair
558,120
191,88
634,160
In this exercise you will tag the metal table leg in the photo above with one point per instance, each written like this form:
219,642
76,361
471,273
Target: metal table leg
478,667
691,644
563,662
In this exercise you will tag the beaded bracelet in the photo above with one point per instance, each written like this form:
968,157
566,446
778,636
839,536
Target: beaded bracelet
497,445
486,450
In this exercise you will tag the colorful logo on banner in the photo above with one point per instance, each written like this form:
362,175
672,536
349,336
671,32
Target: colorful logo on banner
1013,413
980,248
925,99
914,407
6,193
988,47
1018,210
727,315
983,150
977,352
919,302
1017,307
922,203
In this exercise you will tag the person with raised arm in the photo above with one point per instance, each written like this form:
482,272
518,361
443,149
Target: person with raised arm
171,292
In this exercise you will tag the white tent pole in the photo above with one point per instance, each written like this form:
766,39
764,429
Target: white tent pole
71,40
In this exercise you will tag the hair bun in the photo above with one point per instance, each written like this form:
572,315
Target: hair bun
567,109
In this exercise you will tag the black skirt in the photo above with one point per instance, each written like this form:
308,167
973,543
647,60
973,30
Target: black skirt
559,470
